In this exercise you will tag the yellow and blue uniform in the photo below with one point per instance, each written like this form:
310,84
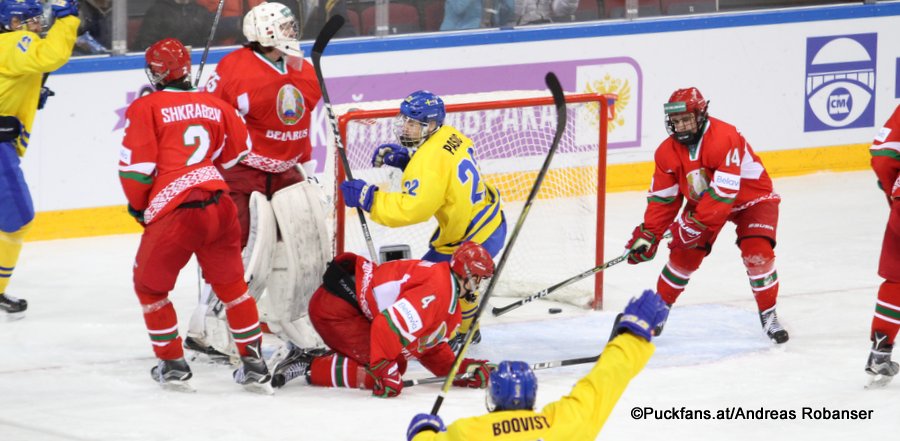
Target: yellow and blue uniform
577,416
24,58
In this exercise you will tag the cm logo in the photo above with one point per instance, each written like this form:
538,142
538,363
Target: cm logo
840,82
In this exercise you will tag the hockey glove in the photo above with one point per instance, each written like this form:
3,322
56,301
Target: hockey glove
386,374
422,422
391,154
45,93
642,246
358,193
64,8
643,314
10,128
138,215
687,232
478,373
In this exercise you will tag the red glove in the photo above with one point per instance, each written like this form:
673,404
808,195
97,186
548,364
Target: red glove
642,245
388,383
687,232
478,370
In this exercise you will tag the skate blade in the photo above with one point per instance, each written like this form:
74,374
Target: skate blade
259,388
202,357
179,386
14,316
878,381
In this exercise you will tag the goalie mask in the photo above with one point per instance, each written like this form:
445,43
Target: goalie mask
473,265
686,115
26,12
168,61
421,114
512,386
273,25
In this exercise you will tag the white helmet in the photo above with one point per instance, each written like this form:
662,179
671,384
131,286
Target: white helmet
273,25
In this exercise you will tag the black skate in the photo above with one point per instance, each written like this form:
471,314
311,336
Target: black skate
880,368
253,373
772,327
173,375
295,364
202,351
13,307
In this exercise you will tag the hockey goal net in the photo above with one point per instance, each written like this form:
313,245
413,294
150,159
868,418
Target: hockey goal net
563,233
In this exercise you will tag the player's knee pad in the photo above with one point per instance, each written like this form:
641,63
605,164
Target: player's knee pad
758,255
258,254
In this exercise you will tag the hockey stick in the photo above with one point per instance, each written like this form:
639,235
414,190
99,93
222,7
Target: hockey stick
498,311
534,367
559,100
212,33
325,35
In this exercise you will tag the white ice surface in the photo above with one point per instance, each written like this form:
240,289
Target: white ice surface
77,367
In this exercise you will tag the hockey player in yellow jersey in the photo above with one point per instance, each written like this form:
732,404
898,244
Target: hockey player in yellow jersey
578,416
441,179
24,58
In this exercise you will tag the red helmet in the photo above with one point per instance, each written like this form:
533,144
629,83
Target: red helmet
471,259
167,61
688,100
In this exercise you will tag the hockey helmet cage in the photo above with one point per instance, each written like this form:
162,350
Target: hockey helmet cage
167,61
688,100
513,386
273,25
23,10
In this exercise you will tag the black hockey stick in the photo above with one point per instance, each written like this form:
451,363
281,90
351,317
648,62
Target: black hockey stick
534,367
498,311
325,35
559,100
212,33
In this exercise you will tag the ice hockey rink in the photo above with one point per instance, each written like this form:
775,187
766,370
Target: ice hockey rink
77,367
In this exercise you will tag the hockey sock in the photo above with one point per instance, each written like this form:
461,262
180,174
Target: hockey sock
759,259
10,247
887,311
243,317
162,325
468,310
677,273
336,370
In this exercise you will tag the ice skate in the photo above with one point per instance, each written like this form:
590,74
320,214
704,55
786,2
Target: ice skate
253,373
880,368
13,307
772,327
294,365
200,350
173,375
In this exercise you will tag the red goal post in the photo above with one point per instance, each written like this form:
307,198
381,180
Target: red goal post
563,235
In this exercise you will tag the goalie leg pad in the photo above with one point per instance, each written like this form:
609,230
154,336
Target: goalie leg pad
258,254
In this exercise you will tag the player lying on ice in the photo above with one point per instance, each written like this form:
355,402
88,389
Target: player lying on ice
375,317
578,416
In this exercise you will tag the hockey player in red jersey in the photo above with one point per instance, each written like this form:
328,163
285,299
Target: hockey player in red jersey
886,320
375,317
174,139
707,164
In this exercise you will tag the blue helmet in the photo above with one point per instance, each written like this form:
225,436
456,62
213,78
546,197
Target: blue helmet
423,106
513,386
21,9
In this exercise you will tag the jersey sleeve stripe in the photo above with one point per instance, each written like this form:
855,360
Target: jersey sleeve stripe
141,178
393,323
669,192
144,168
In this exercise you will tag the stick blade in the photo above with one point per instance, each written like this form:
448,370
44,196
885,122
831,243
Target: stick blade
328,32
559,100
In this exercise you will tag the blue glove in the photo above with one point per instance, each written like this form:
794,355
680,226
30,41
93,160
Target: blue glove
358,193
643,314
391,154
64,8
424,421
45,93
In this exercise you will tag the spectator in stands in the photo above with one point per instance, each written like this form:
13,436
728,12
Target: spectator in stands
544,11
182,19
316,12
95,32
229,30
474,14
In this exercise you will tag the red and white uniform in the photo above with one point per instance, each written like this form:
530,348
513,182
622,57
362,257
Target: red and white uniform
277,101
174,140
718,178
885,152
406,309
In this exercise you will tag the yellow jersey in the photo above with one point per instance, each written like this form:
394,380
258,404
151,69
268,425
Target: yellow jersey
578,416
24,58
442,179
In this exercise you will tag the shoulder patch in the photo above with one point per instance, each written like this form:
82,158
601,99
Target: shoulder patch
408,313
883,134
125,155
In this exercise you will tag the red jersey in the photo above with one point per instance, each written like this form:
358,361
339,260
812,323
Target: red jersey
885,152
172,140
276,100
414,309
718,176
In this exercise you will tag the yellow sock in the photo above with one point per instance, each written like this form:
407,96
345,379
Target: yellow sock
10,246
468,310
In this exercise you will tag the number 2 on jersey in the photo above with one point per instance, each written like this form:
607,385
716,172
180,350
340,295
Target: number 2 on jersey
469,170
196,136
